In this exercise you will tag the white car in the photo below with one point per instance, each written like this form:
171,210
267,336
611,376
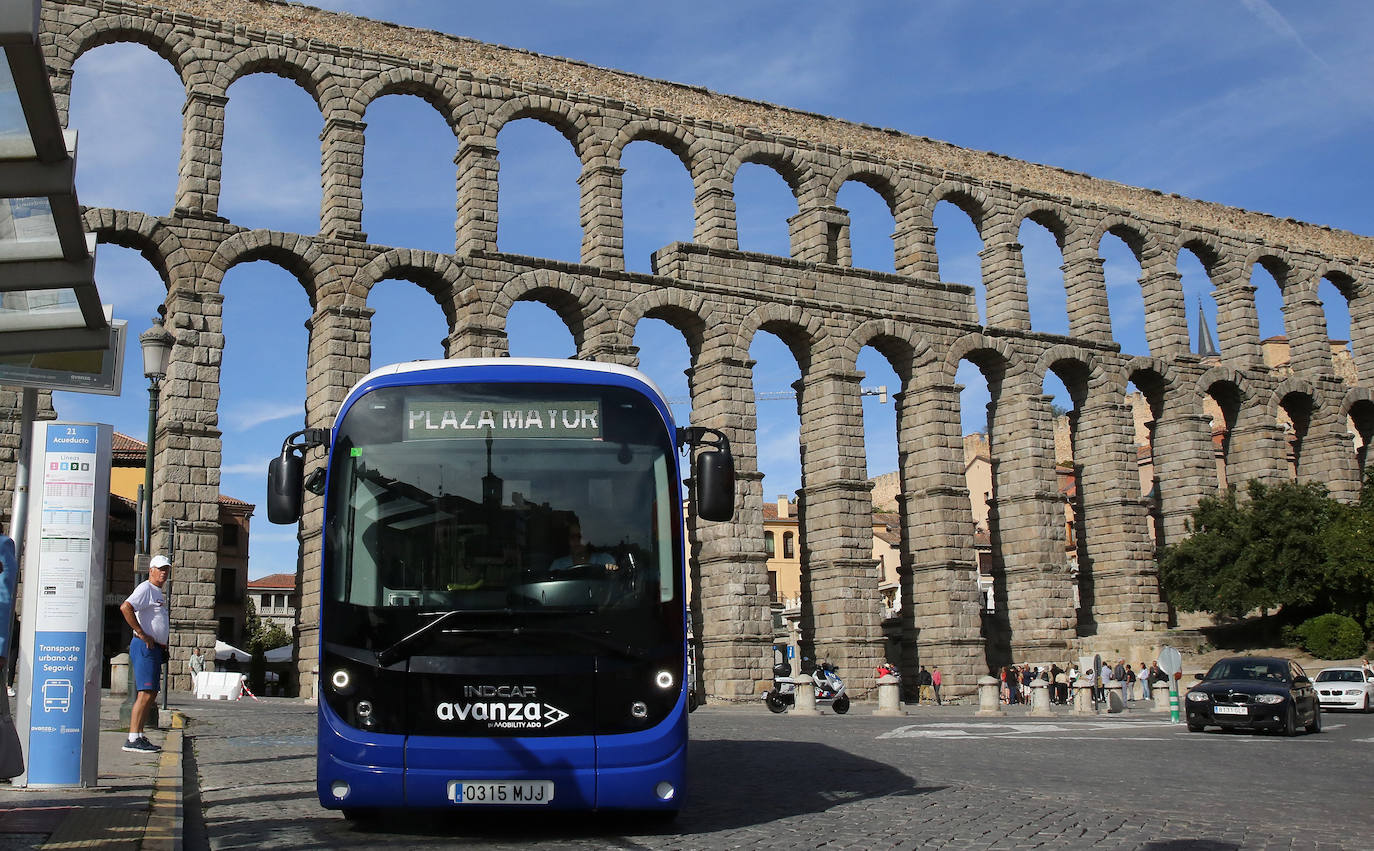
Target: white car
1345,688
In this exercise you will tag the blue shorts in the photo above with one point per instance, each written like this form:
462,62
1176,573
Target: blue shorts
147,665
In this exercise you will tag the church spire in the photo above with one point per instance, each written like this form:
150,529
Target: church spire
1204,346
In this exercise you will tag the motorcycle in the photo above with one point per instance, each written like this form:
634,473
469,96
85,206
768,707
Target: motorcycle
829,689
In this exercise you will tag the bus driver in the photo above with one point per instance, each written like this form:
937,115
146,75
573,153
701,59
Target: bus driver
579,554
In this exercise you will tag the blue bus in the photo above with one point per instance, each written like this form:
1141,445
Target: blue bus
502,612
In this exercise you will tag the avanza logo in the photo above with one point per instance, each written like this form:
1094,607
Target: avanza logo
512,715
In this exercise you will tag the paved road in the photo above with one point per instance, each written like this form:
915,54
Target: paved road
937,778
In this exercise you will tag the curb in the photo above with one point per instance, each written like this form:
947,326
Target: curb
163,831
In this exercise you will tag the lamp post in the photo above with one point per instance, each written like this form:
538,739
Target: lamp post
157,350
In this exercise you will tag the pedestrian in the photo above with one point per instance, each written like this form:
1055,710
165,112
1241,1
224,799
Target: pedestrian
923,681
1129,687
1104,676
1013,685
1144,679
11,753
196,663
1366,670
936,680
145,611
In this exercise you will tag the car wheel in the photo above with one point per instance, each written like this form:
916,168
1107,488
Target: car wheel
1316,725
1290,722
841,705
1368,705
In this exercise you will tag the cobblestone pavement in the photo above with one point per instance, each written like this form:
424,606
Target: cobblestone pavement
938,778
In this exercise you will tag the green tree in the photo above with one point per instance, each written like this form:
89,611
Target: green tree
1266,551
1348,541
259,634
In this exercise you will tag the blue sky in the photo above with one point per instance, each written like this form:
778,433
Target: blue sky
1264,106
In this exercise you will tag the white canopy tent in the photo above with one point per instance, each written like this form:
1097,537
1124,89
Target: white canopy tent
224,652
279,654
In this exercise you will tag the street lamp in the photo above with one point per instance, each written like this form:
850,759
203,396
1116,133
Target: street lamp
157,350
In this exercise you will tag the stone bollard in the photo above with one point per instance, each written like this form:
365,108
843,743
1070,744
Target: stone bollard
1083,700
805,696
989,697
1040,698
889,696
119,674
1115,702
1160,693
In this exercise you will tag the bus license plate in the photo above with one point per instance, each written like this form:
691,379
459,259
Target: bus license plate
500,791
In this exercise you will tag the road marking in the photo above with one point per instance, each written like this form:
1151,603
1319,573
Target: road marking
1029,730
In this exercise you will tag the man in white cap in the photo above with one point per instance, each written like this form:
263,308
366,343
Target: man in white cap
146,613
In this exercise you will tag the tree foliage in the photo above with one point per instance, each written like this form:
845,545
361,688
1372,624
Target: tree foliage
1286,545
261,634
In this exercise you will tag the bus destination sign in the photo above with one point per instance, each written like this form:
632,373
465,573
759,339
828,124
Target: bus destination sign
449,420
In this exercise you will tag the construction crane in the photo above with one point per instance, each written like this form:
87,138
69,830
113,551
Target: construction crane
778,395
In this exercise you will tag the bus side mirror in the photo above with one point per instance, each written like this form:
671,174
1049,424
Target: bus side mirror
715,482
284,481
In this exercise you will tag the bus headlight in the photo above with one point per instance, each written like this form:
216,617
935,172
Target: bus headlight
665,791
664,680
342,681
339,789
639,709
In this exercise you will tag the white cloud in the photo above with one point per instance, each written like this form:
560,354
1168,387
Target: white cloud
246,416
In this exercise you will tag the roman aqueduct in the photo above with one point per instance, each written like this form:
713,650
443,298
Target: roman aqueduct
719,297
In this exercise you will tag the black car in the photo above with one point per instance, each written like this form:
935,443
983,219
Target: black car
1254,693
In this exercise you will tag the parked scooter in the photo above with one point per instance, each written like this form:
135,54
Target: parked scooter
829,688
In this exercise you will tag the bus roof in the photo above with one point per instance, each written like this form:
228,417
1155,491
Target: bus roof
582,366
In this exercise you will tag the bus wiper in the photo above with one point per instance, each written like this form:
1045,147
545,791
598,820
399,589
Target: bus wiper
397,651
400,649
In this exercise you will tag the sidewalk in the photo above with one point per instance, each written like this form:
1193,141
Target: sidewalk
135,804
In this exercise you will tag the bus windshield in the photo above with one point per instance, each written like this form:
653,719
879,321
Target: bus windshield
494,506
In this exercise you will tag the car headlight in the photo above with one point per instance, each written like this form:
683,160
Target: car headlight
1268,698
1354,692
1199,696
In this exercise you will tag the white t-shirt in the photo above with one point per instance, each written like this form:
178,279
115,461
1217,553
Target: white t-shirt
150,607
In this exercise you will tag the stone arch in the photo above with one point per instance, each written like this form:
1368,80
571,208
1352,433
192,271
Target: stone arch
1228,376
1341,276
160,37
1092,375
882,179
1206,248
1049,215
436,274
905,350
683,144
784,160
1162,370
799,330
300,67
688,313
294,253
1291,386
972,200
984,352
1142,243
1353,397
433,89
1276,263
159,245
563,116
578,305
